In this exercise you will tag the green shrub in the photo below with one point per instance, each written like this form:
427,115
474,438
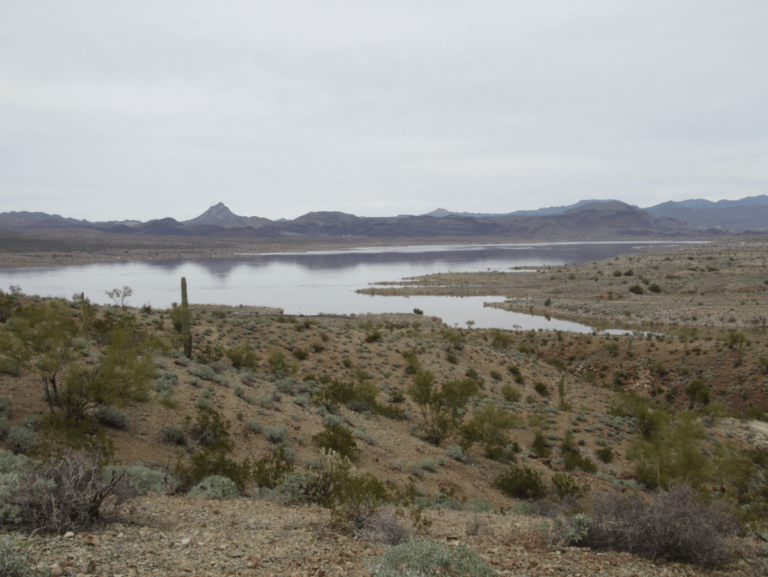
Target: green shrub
521,483
698,391
173,436
566,486
428,559
540,446
9,367
577,461
356,498
613,349
269,472
21,440
109,416
339,439
489,427
500,340
572,457
510,393
215,487
243,356
659,368
279,364
213,460
301,354
373,337
542,389
557,363
672,452
14,561
412,365
443,409
605,454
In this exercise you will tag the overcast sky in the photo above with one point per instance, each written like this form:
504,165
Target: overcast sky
113,110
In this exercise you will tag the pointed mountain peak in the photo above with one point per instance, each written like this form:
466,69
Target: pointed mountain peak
439,213
217,214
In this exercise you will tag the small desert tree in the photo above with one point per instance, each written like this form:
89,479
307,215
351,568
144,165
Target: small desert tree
39,338
489,427
737,340
442,409
120,295
121,375
672,452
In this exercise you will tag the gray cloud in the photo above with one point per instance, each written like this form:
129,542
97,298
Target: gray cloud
134,109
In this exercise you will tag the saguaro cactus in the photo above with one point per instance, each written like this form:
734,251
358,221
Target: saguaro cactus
186,335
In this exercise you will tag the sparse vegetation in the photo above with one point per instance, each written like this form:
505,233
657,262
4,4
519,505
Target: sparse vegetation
672,431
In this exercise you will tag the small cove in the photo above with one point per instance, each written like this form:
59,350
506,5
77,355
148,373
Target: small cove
312,283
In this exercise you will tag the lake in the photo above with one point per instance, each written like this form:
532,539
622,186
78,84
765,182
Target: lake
321,282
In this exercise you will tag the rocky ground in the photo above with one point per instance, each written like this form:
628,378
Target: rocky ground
178,536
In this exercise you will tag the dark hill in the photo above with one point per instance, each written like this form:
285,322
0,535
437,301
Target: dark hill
220,215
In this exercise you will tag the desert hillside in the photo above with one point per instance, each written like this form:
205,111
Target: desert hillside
442,421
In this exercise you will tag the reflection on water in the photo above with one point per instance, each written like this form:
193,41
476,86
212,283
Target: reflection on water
319,282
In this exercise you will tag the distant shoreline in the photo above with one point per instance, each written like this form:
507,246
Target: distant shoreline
62,247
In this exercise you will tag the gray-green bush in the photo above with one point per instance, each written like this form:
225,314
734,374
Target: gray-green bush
68,494
21,440
204,372
216,487
109,416
428,559
276,434
457,454
15,563
143,478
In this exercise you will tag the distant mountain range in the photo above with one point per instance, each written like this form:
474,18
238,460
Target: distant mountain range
585,220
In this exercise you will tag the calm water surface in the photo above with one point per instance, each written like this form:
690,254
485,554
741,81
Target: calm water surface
320,282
